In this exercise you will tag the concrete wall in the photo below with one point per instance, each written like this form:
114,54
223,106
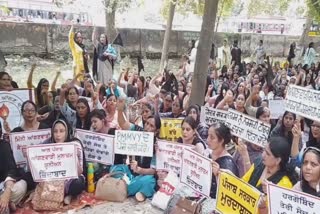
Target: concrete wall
52,40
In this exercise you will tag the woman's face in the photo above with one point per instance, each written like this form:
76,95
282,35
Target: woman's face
213,141
180,87
29,112
187,131
288,121
50,97
188,88
150,125
59,133
79,38
315,129
146,112
72,95
167,102
269,160
265,117
240,101
103,38
5,82
311,167
308,78
82,110
112,102
96,124
241,88
176,108
193,114
45,86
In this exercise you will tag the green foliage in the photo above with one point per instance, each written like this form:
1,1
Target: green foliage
314,9
4,9
269,8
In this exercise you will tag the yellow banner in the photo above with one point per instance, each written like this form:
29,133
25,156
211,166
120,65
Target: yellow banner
170,129
236,196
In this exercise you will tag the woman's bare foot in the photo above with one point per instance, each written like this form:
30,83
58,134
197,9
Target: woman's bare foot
140,197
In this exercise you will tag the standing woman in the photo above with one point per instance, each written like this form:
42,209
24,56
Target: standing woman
309,56
79,54
62,133
106,55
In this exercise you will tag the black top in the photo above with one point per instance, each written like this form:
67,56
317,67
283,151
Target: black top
7,164
195,141
19,128
225,162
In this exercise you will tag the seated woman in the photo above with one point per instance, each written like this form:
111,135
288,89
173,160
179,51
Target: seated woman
273,167
177,109
310,173
202,129
142,169
110,107
12,188
219,136
190,135
61,132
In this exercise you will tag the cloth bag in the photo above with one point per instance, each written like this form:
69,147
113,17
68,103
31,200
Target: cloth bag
49,196
112,189
187,206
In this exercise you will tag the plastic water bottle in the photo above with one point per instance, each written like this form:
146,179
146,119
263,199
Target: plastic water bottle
90,178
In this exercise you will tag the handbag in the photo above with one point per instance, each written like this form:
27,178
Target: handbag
112,189
48,195
187,206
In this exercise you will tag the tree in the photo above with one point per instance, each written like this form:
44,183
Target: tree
270,7
225,8
165,46
203,52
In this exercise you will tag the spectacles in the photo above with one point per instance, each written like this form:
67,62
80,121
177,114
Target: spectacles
315,126
29,111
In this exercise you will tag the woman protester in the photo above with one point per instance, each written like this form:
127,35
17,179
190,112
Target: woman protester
5,81
110,107
202,129
61,132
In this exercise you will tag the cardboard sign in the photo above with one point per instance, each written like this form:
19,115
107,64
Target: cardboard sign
236,196
134,143
196,172
248,128
303,101
97,147
10,106
211,115
170,129
277,108
282,200
169,156
20,140
57,161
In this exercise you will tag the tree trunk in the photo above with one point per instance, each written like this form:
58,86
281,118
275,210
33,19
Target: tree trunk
203,53
217,25
110,20
219,16
165,47
303,40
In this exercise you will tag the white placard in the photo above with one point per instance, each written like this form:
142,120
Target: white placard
196,172
20,140
55,161
97,147
282,200
10,106
248,128
303,101
134,143
169,156
211,115
277,108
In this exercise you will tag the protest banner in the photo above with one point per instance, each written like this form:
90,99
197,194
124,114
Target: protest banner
20,140
134,143
97,147
196,172
55,161
170,129
282,200
248,128
10,106
236,196
277,108
303,101
211,115
169,156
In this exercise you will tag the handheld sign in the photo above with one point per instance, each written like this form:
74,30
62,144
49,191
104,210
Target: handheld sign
282,200
211,115
196,172
49,162
248,128
97,147
169,156
170,129
303,101
20,140
277,108
10,106
134,143
236,196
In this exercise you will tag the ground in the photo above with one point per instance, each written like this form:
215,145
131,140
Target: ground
130,206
